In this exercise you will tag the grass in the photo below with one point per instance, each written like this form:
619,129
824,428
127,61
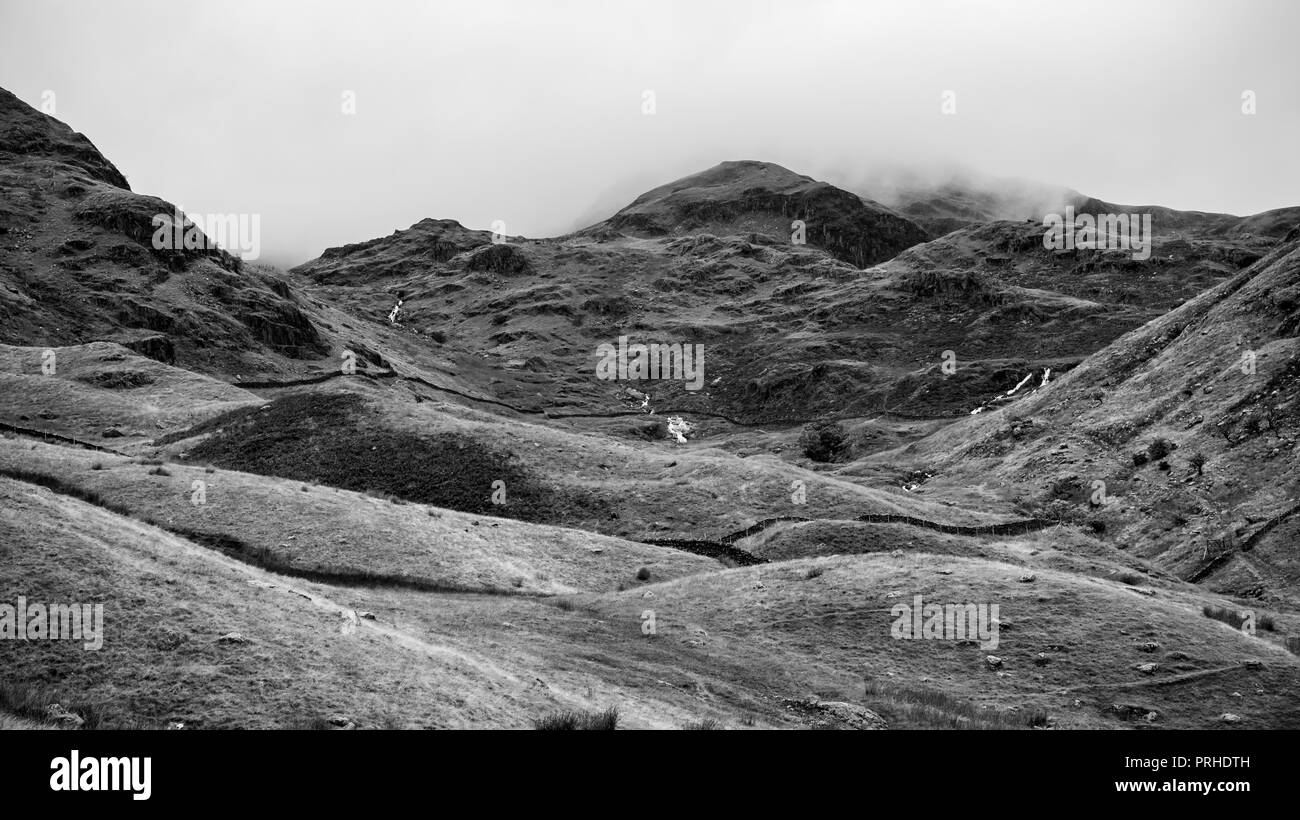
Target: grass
259,556
27,701
706,725
1130,578
920,708
335,439
310,724
1235,617
574,720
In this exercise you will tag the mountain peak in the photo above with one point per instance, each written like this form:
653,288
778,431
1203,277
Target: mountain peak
749,196
27,134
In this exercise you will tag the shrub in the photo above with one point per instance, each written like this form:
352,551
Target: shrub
1139,459
45,706
643,574
1159,448
589,721
98,465
1231,617
823,441
706,725
655,430
159,471
1197,462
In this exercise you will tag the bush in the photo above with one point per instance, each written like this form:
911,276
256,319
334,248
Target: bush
1231,617
570,721
823,441
655,430
1197,462
1159,448
643,574
706,725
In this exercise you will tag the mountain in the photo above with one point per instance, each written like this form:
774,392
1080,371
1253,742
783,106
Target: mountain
1190,422
945,202
473,528
759,197
792,332
78,263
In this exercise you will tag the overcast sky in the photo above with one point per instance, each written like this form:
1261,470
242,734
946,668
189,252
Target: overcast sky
531,112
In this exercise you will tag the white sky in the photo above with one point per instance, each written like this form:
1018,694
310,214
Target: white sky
530,112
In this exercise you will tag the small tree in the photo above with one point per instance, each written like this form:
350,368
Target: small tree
1197,460
823,440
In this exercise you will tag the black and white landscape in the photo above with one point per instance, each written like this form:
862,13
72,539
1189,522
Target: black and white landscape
650,366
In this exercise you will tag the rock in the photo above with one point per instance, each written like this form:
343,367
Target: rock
1147,668
157,346
1149,646
340,722
1229,717
836,714
1042,659
112,432
232,637
1028,578
58,714
503,257
1130,711
993,661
